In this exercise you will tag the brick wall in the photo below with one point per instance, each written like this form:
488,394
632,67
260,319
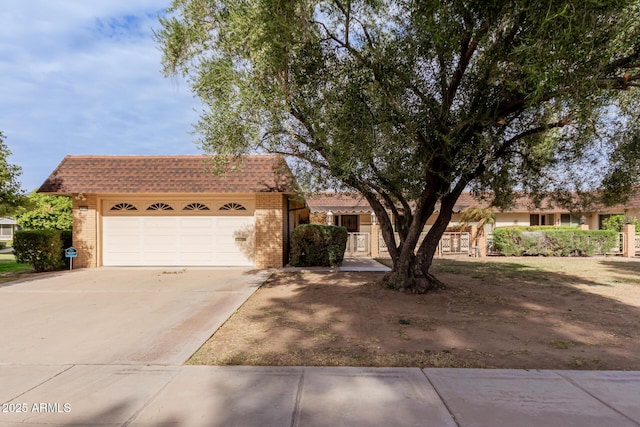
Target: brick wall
85,231
270,227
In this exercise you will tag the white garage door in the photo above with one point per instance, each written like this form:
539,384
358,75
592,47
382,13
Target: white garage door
177,241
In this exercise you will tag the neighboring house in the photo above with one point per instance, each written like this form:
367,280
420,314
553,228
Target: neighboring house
353,211
172,211
8,227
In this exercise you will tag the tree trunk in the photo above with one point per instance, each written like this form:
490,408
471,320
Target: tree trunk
411,278
410,272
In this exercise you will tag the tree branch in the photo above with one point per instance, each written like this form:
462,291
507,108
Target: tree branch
467,49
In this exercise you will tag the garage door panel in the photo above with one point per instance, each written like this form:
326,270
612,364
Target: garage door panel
197,241
151,222
159,258
157,242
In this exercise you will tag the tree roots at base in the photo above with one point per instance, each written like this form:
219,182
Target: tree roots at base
412,284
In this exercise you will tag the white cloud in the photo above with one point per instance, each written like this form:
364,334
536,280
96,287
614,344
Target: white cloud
81,77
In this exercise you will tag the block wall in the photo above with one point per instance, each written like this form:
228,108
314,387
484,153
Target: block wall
85,231
270,228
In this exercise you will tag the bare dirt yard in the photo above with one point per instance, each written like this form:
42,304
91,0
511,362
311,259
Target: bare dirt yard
529,313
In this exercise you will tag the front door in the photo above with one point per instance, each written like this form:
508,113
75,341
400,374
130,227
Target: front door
350,222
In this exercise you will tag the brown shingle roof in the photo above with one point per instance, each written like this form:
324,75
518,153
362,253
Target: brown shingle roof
354,203
166,174
338,203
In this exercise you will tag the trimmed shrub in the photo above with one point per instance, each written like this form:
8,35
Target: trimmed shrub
318,245
42,249
552,241
617,222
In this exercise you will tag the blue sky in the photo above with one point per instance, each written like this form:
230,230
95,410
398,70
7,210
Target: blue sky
84,77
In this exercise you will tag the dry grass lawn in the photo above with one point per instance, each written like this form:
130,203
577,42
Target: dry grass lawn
529,313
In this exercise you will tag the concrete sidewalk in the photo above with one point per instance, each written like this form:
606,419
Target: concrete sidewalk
126,395
349,264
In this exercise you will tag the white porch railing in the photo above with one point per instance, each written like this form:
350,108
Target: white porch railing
619,247
454,243
450,243
358,244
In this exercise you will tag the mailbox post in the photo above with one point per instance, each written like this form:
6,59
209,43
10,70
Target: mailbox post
70,253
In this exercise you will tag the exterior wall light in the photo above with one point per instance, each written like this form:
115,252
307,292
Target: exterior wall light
329,218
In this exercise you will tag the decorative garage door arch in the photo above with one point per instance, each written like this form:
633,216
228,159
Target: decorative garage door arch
177,233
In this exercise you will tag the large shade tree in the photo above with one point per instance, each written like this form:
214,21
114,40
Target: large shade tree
45,212
11,195
412,102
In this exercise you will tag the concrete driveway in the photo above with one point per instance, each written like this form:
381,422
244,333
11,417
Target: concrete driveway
117,315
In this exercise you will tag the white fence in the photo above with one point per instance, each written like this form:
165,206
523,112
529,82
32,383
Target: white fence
450,243
454,243
358,244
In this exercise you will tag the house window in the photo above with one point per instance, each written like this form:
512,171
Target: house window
196,207
232,207
124,207
350,222
534,219
159,207
569,220
5,229
542,219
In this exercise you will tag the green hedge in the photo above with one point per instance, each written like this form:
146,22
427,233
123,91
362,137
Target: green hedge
43,249
318,245
552,241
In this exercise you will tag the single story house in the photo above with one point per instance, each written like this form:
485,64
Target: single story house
8,227
352,211
173,211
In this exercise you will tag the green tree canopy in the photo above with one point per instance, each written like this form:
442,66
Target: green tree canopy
617,222
11,195
45,212
410,102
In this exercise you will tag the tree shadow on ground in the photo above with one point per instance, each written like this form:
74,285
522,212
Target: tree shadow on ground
624,266
494,313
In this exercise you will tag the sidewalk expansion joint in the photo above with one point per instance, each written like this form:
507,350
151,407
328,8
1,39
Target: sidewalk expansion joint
296,407
444,402
150,399
39,384
575,384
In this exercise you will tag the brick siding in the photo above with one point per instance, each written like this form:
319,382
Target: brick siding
269,230
85,232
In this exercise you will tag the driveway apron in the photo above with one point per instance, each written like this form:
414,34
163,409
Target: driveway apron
119,316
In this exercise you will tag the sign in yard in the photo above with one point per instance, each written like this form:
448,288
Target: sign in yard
70,253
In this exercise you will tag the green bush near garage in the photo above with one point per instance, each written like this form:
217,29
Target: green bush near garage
42,249
318,245
552,241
